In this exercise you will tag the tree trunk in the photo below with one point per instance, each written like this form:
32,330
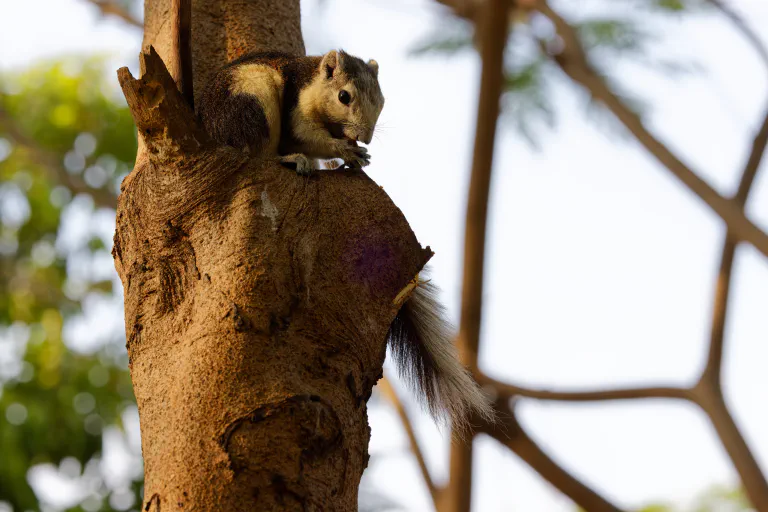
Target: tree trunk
257,302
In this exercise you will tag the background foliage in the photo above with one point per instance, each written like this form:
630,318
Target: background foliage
65,144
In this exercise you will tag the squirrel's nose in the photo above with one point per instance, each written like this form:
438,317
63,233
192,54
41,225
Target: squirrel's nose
365,138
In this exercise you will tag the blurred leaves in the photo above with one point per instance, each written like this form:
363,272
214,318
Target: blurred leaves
670,5
716,499
449,37
65,144
722,499
614,34
527,99
53,104
622,36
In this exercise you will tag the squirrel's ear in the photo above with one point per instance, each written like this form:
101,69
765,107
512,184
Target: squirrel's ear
374,67
330,63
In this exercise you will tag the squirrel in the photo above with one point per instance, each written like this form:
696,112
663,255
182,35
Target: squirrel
303,108
296,108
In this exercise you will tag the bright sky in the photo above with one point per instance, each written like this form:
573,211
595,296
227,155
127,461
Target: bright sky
600,269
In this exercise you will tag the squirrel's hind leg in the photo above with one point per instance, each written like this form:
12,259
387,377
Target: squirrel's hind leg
302,163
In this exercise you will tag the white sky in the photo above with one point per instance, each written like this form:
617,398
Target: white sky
600,268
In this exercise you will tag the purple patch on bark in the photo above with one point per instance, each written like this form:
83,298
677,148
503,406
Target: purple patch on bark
373,262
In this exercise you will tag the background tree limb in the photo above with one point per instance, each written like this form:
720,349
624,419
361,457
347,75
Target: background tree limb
743,27
458,494
712,370
511,391
709,392
511,434
389,392
574,63
109,8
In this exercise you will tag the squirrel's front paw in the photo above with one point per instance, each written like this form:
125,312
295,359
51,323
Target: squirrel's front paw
357,157
302,163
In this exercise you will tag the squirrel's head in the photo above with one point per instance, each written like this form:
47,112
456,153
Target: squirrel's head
350,96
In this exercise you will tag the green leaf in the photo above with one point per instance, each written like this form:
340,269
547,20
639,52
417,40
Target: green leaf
526,100
451,37
58,399
670,5
618,35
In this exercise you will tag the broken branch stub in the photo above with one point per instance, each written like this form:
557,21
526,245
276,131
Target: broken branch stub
160,112
257,304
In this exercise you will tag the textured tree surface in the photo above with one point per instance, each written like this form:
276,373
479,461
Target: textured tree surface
257,302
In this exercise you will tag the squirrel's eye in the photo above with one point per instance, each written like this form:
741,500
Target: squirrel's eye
344,97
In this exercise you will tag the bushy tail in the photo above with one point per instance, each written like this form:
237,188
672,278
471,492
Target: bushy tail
421,342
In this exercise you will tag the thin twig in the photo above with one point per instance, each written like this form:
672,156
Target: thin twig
114,9
573,61
743,27
720,309
392,396
511,434
706,394
709,390
713,368
511,390
712,402
52,165
492,28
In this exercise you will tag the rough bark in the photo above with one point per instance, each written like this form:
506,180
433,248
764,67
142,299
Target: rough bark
223,30
257,302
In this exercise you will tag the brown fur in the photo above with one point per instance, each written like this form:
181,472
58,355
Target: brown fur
421,340
239,107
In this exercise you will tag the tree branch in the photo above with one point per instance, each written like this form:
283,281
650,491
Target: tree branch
508,391
708,396
181,48
709,390
492,51
712,402
161,114
720,309
51,164
742,26
510,433
573,61
712,370
493,29
108,8
391,394
176,155
707,393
